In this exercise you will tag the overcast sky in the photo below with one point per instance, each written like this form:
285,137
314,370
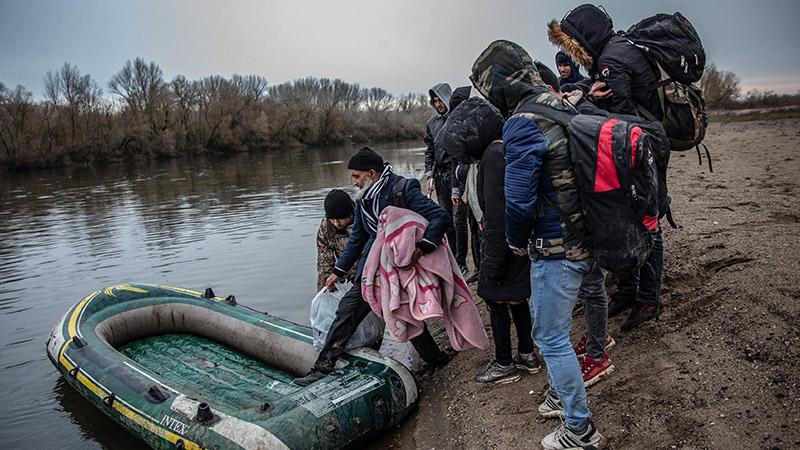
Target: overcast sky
399,45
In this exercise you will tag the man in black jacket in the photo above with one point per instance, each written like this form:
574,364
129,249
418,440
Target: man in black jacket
440,170
624,82
624,79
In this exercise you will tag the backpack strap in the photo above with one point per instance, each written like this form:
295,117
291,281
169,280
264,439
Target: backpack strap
560,117
399,193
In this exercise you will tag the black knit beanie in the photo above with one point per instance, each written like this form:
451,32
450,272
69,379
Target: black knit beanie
366,159
338,205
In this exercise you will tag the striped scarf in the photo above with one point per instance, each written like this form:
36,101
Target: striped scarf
370,202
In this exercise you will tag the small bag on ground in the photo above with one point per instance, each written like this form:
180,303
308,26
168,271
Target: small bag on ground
323,312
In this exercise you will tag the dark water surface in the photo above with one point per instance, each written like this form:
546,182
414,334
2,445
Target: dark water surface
244,226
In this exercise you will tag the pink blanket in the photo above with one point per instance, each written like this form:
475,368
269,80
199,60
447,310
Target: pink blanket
434,287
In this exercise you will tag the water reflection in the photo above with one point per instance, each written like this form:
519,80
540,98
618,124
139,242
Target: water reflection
243,226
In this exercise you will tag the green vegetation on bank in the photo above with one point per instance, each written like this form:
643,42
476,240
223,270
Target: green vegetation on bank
146,116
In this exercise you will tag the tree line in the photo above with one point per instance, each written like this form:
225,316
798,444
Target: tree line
147,116
722,90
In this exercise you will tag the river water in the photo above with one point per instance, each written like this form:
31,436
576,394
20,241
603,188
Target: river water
244,226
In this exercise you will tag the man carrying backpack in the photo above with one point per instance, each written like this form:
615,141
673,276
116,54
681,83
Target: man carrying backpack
539,178
625,82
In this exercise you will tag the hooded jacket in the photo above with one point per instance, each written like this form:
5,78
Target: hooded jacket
587,34
459,95
536,152
471,127
435,123
576,75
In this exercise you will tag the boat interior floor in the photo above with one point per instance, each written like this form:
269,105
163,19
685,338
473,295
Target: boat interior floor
207,370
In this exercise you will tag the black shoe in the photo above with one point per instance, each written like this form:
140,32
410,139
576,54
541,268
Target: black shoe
314,375
617,305
640,315
463,269
429,369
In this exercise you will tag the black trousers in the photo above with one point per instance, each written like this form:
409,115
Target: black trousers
475,240
457,234
501,329
644,285
352,310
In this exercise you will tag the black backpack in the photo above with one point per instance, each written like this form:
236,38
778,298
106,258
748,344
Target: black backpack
613,157
671,43
398,198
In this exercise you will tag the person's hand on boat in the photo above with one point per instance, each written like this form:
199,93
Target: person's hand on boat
330,283
414,258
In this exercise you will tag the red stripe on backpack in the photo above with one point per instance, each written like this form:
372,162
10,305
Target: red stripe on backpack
636,133
606,178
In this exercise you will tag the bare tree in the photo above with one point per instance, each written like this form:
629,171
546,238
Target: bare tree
720,88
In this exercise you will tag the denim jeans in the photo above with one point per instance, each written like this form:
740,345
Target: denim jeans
644,285
554,286
595,310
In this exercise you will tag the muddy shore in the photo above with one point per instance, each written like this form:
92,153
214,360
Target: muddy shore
720,368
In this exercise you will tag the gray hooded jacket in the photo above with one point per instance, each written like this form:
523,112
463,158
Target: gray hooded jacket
434,157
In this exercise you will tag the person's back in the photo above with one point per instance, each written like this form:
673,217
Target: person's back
587,35
538,176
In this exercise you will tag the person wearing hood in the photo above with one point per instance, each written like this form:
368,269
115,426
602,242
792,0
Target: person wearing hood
569,71
475,131
625,83
592,297
463,217
379,187
440,170
538,179
624,80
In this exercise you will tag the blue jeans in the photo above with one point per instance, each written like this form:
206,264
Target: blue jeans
595,310
554,287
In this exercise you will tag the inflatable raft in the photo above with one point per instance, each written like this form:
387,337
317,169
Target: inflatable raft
182,369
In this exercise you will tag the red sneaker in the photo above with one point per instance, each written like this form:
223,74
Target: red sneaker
580,347
594,369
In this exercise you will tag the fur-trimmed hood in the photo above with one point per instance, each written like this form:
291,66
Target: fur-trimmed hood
582,33
506,75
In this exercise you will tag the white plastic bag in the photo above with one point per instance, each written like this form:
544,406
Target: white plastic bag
323,311
403,352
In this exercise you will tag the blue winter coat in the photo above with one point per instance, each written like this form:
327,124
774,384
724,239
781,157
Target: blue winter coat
361,238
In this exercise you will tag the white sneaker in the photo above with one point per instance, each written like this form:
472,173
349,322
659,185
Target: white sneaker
562,438
551,406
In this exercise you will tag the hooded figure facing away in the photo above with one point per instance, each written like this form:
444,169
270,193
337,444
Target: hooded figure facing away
474,132
539,177
569,71
587,35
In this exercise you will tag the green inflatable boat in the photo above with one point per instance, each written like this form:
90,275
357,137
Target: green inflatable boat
181,369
